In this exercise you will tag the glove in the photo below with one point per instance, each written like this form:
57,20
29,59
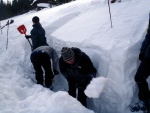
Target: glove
56,72
28,36
141,56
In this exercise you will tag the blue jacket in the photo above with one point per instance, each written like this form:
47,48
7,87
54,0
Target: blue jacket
38,36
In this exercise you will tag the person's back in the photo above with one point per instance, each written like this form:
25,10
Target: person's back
52,55
38,36
41,60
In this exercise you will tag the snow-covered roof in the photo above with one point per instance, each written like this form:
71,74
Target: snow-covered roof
43,5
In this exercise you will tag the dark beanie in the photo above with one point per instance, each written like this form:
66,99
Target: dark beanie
35,19
67,53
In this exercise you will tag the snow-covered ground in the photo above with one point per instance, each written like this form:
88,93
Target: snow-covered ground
84,24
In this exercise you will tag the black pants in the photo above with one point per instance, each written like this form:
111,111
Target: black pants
72,91
141,76
41,59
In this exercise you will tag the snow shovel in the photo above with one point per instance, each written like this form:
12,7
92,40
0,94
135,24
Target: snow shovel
22,29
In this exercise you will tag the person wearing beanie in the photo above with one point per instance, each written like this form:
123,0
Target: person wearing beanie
41,58
37,34
78,69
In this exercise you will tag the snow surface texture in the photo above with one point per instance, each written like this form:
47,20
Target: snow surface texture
43,5
84,24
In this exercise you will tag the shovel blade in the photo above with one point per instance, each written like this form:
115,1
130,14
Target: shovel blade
22,29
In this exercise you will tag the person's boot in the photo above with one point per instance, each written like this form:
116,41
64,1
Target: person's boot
138,106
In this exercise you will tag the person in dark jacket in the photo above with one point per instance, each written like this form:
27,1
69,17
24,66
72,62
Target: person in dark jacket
37,34
78,69
143,72
41,58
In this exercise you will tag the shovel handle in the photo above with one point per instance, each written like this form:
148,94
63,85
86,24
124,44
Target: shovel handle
29,43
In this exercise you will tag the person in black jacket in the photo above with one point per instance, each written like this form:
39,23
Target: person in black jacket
37,34
78,69
143,73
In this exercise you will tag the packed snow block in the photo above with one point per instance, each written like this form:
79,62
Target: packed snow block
64,103
96,87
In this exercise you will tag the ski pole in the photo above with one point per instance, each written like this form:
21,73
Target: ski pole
11,21
110,14
0,28
7,34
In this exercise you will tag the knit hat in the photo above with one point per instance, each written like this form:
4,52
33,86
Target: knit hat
67,53
35,19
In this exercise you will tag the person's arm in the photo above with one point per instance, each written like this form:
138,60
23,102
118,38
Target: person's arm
55,61
88,65
63,68
88,70
34,39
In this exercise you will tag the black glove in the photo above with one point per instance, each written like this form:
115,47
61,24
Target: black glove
28,36
141,56
56,72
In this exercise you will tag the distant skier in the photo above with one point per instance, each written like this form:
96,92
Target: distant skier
37,34
41,57
78,69
142,74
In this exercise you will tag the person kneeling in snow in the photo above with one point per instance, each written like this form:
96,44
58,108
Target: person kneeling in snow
41,57
78,69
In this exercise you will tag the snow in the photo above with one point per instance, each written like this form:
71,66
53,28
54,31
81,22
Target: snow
43,5
7,0
84,24
93,91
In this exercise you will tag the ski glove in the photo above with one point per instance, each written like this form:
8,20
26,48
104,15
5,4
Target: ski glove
56,72
141,56
28,36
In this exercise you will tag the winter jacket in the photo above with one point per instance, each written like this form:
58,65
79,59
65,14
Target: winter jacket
145,49
52,54
82,71
38,36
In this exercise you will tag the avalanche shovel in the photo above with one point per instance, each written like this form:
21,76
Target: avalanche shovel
22,29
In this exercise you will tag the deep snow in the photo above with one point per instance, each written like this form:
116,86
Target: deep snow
84,24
